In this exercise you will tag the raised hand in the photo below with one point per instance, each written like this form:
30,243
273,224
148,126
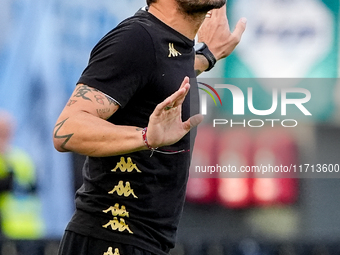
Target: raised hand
165,124
215,32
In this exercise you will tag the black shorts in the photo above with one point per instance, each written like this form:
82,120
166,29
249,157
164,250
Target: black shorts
73,243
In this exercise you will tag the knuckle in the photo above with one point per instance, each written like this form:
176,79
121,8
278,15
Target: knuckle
235,39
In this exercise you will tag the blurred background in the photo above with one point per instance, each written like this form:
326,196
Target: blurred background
45,45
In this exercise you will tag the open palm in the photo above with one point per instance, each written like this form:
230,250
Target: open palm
165,124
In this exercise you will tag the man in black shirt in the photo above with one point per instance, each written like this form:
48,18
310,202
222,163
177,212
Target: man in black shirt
130,115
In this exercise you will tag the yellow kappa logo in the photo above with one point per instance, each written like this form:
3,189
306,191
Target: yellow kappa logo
127,165
117,211
110,252
119,225
122,190
172,51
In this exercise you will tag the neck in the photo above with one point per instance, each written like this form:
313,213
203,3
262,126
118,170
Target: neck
170,14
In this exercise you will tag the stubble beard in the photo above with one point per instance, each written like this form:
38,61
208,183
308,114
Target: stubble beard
194,7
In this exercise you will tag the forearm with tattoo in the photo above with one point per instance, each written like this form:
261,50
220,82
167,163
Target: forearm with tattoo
66,137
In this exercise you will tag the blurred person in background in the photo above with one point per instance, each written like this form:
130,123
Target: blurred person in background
131,116
19,203
6,170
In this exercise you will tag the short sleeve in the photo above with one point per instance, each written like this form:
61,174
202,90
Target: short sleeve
121,63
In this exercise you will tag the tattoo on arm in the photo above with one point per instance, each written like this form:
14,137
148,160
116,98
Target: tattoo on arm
111,101
102,112
71,102
82,90
139,129
99,99
66,137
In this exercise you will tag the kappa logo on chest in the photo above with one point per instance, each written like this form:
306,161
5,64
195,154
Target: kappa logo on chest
172,51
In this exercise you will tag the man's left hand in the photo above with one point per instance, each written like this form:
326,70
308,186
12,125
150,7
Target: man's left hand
215,32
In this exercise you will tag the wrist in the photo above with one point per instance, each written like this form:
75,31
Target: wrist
201,64
202,49
145,140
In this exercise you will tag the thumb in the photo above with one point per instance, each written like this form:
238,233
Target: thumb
193,122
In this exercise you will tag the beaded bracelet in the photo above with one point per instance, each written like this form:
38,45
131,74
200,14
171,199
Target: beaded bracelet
168,152
146,141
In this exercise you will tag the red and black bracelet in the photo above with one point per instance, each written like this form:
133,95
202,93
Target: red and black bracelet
169,152
146,140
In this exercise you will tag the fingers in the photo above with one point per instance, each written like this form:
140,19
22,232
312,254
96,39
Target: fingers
193,122
184,82
240,28
176,99
186,86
